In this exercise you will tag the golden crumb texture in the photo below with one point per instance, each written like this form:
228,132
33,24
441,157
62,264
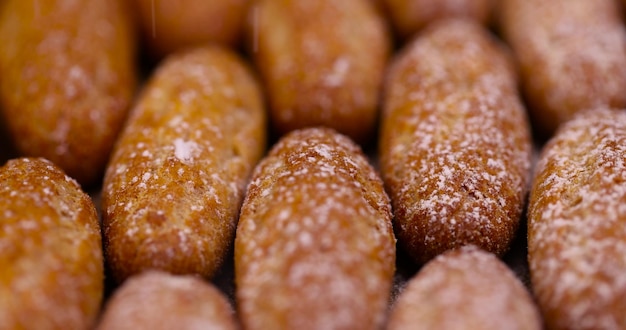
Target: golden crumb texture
68,78
322,63
465,288
455,144
571,55
52,267
315,247
158,300
174,185
577,224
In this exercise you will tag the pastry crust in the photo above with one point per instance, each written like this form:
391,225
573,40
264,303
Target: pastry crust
322,63
455,143
571,54
158,300
315,247
577,224
466,288
173,188
68,78
52,269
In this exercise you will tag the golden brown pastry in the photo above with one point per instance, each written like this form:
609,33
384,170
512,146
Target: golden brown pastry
466,288
173,25
315,247
411,16
173,188
455,142
50,249
577,224
67,79
156,300
571,53
322,62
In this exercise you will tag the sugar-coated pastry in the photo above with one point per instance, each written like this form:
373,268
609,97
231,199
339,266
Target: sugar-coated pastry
322,63
455,143
51,267
67,78
315,247
465,288
156,300
176,180
571,54
577,224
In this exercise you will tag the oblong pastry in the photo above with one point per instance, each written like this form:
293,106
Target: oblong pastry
52,272
411,16
67,72
465,288
571,54
158,300
174,185
174,25
322,63
455,142
315,247
577,224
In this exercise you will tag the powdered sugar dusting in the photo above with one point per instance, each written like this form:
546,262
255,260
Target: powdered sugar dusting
577,217
184,150
314,245
455,144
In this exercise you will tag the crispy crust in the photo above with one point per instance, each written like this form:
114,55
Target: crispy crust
577,224
173,25
315,247
68,78
411,16
571,53
322,63
173,188
455,142
158,300
52,269
466,288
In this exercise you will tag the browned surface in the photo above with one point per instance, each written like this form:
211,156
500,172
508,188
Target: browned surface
176,179
314,246
67,70
410,16
322,62
466,288
577,224
455,142
571,54
51,257
172,25
156,300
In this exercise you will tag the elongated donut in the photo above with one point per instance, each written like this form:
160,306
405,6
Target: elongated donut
173,188
466,288
571,53
455,143
52,270
68,76
158,300
577,224
322,63
314,248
